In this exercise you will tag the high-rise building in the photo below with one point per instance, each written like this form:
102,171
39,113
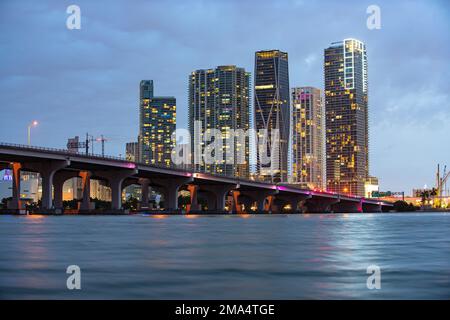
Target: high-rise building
346,107
156,125
219,99
272,111
308,138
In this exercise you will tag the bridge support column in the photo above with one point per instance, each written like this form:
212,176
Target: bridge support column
86,189
15,203
144,192
236,207
47,169
269,204
260,198
47,173
293,201
170,190
116,179
58,182
193,191
216,195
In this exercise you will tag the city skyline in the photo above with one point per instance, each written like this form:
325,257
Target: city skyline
405,110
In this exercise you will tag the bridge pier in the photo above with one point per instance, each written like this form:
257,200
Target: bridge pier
293,201
16,203
193,190
221,193
144,192
86,189
116,179
256,196
170,187
47,170
58,183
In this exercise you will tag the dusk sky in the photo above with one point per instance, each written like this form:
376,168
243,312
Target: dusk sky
78,81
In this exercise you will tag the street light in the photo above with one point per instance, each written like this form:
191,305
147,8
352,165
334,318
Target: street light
31,125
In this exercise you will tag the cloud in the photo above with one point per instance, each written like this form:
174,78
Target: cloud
87,80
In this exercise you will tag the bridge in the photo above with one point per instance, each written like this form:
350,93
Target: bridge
56,166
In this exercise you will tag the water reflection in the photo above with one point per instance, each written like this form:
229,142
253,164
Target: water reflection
226,257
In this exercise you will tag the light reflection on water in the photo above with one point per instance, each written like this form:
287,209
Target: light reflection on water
226,257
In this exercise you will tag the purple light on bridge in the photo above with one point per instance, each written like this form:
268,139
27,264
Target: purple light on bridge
131,165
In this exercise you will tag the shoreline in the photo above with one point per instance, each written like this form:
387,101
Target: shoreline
162,213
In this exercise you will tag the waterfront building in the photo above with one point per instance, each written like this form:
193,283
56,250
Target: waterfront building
272,111
346,108
157,122
219,99
371,187
308,138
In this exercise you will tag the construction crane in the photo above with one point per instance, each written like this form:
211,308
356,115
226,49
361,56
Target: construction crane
102,139
441,182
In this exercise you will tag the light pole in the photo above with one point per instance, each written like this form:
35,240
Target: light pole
31,125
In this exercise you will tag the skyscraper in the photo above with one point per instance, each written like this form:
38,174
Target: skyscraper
156,125
219,99
346,105
272,111
308,137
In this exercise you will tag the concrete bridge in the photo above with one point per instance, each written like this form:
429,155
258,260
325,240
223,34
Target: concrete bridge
56,166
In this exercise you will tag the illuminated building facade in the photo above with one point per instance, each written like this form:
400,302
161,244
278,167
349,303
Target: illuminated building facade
308,138
220,99
156,125
346,107
272,111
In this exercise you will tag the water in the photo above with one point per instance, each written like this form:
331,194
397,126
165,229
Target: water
226,257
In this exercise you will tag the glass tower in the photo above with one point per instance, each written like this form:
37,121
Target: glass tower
219,99
308,138
272,112
346,107
156,125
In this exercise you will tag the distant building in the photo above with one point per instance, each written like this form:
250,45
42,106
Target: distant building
272,110
308,138
132,151
100,190
73,144
371,187
156,125
29,185
346,107
219,99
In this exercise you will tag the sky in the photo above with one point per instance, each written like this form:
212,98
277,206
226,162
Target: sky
87,80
